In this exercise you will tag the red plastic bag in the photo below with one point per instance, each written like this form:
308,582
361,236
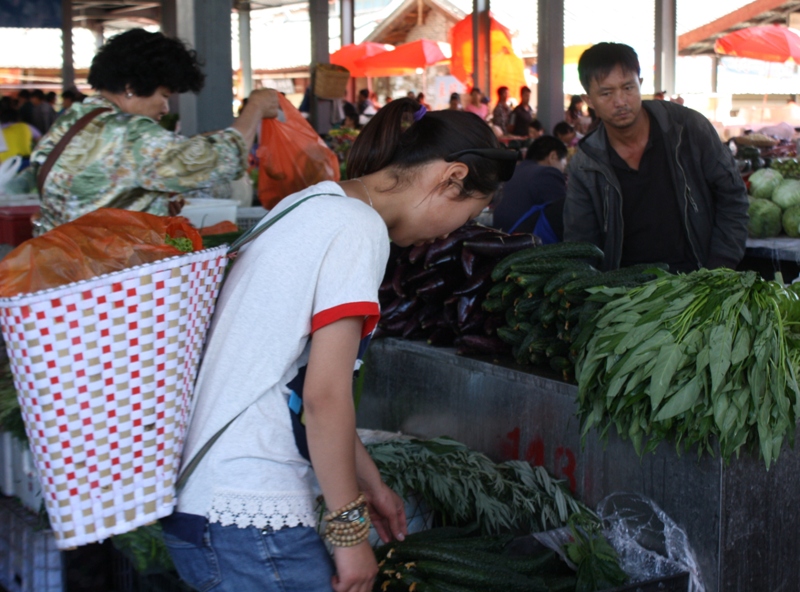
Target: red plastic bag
100,242
291,157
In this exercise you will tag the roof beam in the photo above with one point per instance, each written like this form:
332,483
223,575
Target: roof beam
745,13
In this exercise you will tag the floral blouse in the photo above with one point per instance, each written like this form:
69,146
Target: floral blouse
129,162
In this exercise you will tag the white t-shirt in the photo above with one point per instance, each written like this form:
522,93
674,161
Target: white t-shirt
323,262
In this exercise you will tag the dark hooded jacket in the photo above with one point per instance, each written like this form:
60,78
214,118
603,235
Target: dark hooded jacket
709,190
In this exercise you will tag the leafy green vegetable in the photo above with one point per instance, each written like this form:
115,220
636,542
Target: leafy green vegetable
707,358
791,221
181,243
145,549
464,486
787,193
596,559
10,411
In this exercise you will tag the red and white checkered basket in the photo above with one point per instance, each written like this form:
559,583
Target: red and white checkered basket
105,370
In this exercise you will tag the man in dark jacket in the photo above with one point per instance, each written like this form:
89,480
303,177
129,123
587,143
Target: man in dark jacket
653,183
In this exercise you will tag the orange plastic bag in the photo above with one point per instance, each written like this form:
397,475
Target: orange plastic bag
291,157
100,242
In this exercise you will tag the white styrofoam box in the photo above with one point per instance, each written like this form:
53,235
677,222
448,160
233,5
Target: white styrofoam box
24,199
29,558
26,478
246,218
6,464
203,211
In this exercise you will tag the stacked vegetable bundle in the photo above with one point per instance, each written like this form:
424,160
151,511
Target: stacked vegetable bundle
774,204
542,295
706,356
434,291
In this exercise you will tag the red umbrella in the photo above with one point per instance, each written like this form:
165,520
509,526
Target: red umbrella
769,43
405,59
348,55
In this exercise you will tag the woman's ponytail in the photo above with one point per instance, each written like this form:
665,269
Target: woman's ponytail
403,136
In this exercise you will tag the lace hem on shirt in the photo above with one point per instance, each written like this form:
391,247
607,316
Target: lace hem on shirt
262,511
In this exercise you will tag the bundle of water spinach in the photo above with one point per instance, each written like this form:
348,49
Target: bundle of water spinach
702,359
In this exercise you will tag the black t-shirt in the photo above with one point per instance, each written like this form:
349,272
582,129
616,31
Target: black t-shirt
654,230
521,116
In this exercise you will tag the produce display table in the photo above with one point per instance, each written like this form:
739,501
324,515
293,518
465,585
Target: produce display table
742,521
779,248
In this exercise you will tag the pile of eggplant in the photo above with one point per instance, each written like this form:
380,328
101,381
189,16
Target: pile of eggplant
435,291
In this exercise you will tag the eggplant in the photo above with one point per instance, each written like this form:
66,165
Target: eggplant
467,261
450,316
404,310
481,345
411,327
397,279
474,324
393,328
387,311
430,315
433,287
466,305
481,280
417,253
442,337
492,323
501,246
443,260
419,275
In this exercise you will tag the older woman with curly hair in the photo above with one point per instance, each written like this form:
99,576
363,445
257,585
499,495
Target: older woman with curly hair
123,158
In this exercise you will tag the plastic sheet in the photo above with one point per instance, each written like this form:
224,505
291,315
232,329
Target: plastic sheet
650,545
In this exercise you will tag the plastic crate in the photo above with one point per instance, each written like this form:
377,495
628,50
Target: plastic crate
29,558
246,218
15,224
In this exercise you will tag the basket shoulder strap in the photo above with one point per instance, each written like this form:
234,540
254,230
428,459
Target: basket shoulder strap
44,170
256,231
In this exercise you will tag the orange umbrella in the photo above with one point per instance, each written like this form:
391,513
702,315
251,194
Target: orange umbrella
768,43
405,59
348,55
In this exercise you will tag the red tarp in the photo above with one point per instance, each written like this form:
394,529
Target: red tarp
405,59
348,55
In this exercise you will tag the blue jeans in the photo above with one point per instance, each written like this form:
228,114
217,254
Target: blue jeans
231,559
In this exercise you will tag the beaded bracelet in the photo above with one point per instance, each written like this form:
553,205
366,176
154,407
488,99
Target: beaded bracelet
349,525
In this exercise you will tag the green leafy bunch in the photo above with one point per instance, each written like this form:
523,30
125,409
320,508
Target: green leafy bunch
464,486
704,358
10,411
181,243
595,558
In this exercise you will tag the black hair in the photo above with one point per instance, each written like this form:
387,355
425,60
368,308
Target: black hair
522,89
38,94
562,128
144,61
574,101
392,138
69,94
500,90
24,94
364,92
8,115
51,97
541,148
537,125
455,97
597,62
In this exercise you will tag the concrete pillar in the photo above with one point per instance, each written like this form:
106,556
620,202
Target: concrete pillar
714,73
67,64
550,64
169,18
481,46
206,26
244,48
666,45
347,14
321,110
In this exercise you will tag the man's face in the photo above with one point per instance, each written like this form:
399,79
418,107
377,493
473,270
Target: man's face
503,96
525,97
617,98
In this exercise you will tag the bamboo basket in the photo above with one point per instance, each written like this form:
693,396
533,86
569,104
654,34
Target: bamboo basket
330,81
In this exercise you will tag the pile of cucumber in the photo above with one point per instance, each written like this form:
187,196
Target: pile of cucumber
445,560
543,293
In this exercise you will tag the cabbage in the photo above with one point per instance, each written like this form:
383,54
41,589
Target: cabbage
791,221
787,194
763,182
765,218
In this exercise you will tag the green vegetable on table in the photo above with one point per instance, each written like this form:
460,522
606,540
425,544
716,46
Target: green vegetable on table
702,359
181,243
787,193
763,183
791,221
764,218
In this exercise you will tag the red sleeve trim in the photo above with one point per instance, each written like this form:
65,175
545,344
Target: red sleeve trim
370,310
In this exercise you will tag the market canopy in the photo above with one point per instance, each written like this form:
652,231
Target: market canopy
405,59
507,68
769,43
348,55
573,53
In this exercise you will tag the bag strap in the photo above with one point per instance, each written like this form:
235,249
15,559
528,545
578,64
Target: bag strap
246,238
44,170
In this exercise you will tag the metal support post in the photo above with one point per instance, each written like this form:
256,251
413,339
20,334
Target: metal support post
244,48
666,45
550,64
67,65
321,110
481,46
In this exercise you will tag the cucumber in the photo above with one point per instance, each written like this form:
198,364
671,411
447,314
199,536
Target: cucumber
526,279
510,293
557,348
526,306
548,266
562,278
487,577
561,250
443,586
493,305
624,274
560,363
496,291
540,345
510,336
511,318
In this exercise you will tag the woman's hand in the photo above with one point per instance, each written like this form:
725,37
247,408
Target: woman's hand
266,100
387,512
356,568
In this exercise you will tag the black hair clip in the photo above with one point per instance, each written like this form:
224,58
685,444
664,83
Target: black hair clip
506,159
